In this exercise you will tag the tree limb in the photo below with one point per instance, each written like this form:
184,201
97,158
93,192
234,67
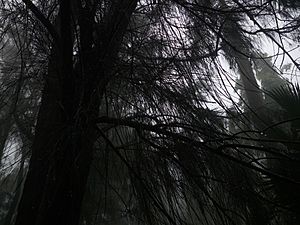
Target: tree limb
46,23
217,151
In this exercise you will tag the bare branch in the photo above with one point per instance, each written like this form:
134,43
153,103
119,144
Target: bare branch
47,24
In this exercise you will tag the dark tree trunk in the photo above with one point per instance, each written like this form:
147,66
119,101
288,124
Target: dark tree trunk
65,134
46,138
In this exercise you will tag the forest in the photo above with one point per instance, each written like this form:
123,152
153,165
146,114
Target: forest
149,112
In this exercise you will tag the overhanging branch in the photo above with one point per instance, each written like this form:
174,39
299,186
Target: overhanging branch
217,151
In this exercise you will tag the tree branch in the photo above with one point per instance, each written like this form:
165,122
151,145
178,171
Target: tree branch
46,23
217,151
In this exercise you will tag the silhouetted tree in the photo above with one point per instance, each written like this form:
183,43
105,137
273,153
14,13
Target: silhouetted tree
128,113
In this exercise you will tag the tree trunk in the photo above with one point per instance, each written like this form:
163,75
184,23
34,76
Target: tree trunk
9,217
239,51
65,134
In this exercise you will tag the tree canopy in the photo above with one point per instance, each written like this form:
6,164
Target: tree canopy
149,112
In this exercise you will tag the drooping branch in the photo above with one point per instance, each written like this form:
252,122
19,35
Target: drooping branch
216,151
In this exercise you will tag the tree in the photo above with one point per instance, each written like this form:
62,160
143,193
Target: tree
132,122
59,165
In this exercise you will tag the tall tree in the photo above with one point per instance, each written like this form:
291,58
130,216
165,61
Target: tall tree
65,132
132,123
